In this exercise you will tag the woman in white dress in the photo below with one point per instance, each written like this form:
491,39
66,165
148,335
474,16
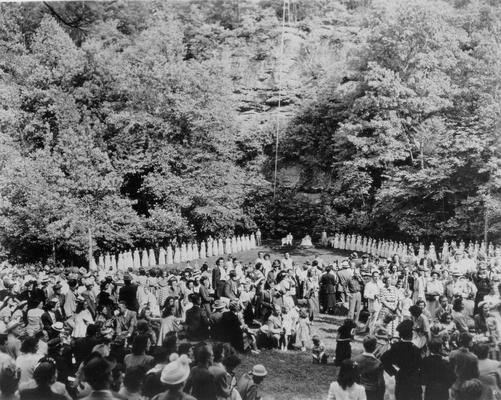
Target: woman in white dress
81,319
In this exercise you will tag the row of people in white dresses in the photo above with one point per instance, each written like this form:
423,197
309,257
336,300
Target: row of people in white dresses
174,255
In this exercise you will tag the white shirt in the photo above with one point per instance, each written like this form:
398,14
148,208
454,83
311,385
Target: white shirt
27,363
372,289
354,392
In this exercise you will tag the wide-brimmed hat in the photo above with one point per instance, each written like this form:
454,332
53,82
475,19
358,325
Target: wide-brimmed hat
219,304
177,371
58,326
259,370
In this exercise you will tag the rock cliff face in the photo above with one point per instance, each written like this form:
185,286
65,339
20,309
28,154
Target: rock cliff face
313,51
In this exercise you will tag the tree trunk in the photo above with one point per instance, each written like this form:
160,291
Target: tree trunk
486,217
54,253
91,253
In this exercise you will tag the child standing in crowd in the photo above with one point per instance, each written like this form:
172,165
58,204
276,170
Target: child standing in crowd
303,330
343,341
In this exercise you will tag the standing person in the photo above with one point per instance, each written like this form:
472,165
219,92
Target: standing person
483,284
328,283
421,328
248,383
354,290
464,363
403,360
343,341
437,375
489,370
371,370
232,328
347,386
197,321
433,290
70,299
128,294
371,293
311,294
201,383
344,275
219,278
258,237
204,293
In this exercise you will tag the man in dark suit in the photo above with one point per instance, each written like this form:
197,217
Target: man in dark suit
403,360
82,347
437,374
232,328
219,278
197,322
371,370
128,294
463,362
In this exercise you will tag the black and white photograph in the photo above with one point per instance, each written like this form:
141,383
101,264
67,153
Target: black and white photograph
250,200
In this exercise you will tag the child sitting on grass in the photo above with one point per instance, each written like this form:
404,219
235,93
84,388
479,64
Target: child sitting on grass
318,351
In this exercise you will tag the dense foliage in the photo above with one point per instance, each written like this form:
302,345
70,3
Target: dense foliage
122,123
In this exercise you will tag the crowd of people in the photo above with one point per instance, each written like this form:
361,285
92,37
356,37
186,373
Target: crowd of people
430,321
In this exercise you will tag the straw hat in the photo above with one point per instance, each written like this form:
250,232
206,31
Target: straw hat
177,371
259,370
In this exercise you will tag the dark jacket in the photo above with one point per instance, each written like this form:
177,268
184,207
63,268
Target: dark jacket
437,376
197,324
40,394
128,294
371,372
201,384
231,290
232,330
217,282
406,356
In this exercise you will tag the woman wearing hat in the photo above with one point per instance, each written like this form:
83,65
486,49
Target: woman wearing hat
173,378
433,290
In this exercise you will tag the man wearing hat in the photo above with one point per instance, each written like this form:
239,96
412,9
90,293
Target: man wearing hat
403,360
13,344
216,330
248,383
231,287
